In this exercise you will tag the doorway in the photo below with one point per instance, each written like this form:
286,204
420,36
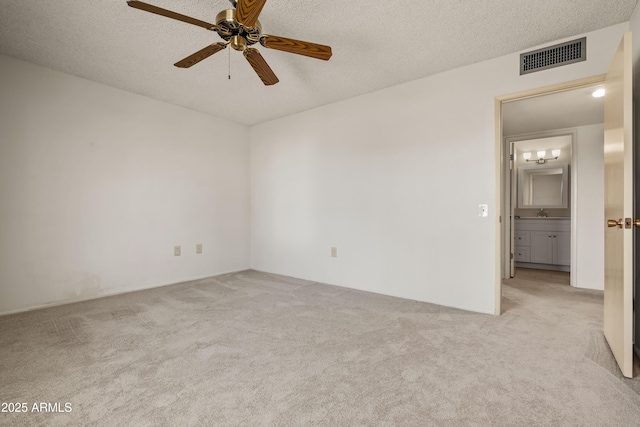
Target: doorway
620,166
504,226
541,194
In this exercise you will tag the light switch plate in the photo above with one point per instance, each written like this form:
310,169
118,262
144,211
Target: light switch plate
199,248
176,251
483,210
334,252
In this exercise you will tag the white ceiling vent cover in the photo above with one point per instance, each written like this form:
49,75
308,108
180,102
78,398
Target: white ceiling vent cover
554,56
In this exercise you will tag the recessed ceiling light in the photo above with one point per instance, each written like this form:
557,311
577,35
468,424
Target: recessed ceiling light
598,93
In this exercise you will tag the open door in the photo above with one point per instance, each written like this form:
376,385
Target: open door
619,179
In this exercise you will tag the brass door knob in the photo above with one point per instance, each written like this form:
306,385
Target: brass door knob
614,223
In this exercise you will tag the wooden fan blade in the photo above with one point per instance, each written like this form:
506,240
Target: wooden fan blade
200,55
248,11
299,47
260,66
169,14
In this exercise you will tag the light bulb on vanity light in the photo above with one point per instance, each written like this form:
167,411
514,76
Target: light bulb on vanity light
541,154
526,156
556,152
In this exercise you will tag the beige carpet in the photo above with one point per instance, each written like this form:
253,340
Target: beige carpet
251,349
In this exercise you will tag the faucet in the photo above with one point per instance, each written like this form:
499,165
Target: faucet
542,213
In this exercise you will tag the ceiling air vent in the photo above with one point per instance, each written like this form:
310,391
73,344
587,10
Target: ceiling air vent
554,56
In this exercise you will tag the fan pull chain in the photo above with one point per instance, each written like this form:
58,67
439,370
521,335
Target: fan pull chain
229,64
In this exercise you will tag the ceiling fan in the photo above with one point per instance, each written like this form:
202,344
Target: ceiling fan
240,28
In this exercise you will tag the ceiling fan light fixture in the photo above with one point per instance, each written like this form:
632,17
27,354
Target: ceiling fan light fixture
238,43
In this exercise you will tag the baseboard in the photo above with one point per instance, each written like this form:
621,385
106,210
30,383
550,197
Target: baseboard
111,294
473,310
552,267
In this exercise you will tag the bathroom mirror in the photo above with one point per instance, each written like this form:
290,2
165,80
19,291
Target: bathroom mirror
543,186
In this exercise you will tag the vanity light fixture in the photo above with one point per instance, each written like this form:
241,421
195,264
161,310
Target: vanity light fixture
541,160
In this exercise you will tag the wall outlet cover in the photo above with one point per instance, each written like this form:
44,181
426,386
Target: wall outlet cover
177,251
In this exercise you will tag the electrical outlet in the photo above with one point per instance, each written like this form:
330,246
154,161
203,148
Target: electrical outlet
483,210
334,252
177,251
199,248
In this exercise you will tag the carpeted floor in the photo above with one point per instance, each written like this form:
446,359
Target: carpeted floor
252,349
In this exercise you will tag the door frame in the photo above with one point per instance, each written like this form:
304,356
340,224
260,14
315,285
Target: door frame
499,158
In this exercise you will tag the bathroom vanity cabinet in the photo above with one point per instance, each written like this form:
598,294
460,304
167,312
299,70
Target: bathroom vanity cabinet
543,243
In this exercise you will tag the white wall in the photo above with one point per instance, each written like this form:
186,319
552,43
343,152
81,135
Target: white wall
393,179
589,268
97,185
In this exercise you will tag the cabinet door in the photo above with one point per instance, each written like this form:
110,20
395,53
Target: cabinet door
522,254
522,238
562,248
541,247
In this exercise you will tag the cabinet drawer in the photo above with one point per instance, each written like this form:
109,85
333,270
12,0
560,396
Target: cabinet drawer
522,238
522,254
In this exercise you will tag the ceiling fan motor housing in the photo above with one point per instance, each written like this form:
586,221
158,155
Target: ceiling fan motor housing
231,30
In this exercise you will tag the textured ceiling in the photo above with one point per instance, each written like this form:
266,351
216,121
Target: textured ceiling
556,111
375,44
